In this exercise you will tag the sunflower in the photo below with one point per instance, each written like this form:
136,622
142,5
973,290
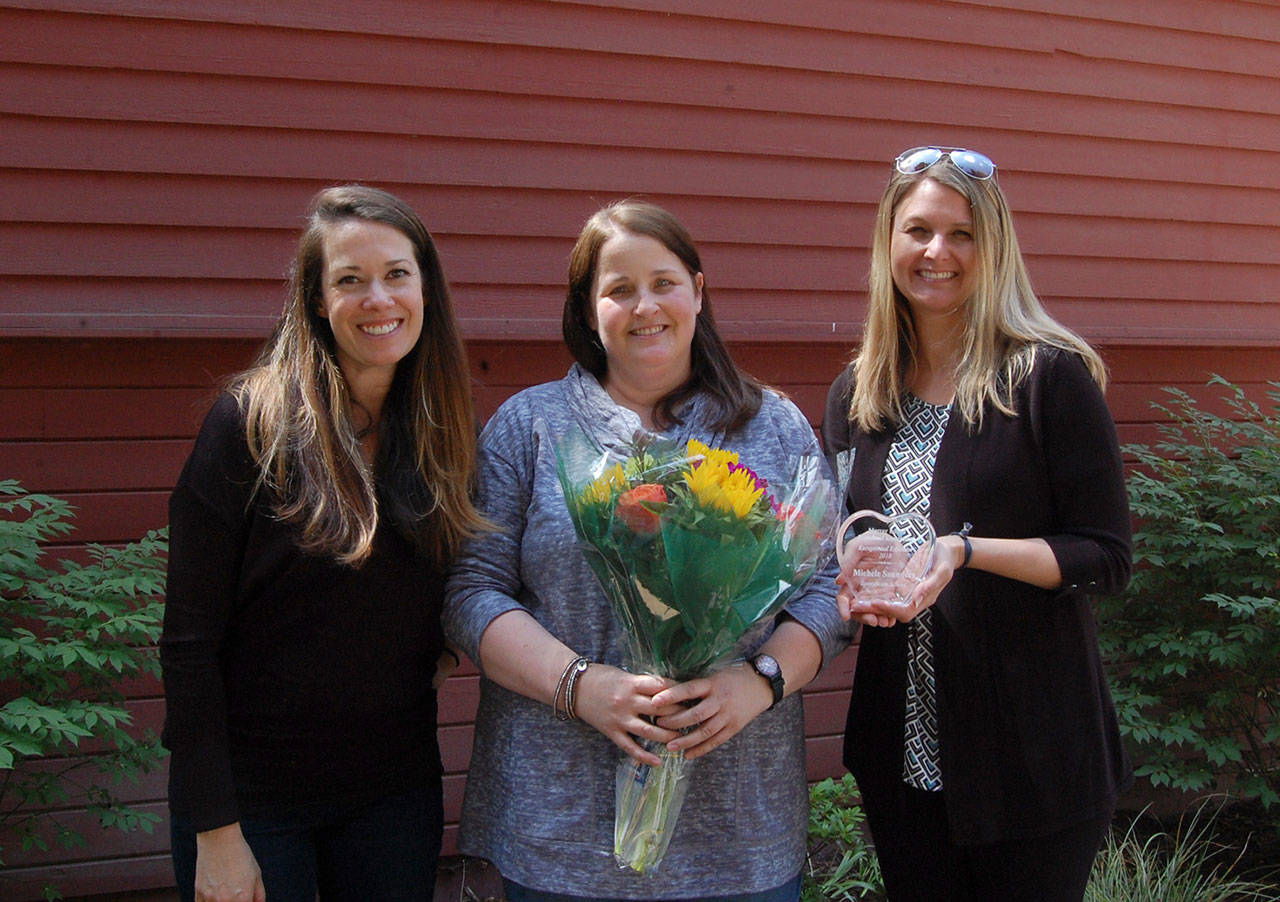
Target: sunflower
720,483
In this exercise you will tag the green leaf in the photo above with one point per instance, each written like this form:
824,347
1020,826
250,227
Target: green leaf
69,634
1193,644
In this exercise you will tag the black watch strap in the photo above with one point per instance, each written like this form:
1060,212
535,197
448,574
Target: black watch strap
767,667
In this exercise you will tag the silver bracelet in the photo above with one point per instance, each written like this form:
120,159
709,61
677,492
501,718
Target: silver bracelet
566,679
571,692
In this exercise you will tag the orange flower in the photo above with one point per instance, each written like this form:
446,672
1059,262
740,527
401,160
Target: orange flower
632,510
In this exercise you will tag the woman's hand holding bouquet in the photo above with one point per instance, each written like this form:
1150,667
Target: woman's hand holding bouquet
720,705
624,707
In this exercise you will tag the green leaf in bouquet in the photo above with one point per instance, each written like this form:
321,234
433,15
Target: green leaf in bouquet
723,583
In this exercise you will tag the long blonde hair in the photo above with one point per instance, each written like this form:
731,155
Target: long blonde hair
1004,320
300,432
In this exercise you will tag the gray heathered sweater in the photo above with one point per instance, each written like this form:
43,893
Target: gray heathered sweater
540,793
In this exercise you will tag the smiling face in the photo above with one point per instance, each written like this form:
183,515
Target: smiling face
371,294
932,254
644,306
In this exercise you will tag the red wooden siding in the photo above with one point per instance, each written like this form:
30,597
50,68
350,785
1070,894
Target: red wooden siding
158,155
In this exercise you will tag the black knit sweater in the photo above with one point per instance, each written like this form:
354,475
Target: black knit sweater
288,677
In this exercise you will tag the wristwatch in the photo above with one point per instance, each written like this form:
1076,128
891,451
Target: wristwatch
767,667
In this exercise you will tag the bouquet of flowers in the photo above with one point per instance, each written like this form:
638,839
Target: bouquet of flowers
692,549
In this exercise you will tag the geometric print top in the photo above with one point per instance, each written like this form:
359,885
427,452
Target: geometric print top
908,478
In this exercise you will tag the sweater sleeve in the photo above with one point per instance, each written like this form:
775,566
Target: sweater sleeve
815,605
485,578
208,528
1093,542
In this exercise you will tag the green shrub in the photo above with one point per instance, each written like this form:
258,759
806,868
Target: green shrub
68,638
1187,866
1194,643
841,864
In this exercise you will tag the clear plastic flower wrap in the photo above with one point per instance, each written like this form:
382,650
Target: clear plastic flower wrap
692,548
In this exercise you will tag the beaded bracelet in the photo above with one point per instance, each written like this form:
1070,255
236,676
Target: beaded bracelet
567,679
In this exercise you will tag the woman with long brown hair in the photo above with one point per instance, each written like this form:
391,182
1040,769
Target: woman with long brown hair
311,531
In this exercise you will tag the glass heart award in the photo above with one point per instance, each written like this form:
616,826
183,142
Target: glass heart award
883,558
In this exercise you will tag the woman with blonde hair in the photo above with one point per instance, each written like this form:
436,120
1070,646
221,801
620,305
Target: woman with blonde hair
311,530
981,731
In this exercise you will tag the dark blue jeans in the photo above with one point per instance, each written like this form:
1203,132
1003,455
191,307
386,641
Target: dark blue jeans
788,892
386,850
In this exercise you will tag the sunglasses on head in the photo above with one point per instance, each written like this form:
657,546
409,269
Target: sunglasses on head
970,162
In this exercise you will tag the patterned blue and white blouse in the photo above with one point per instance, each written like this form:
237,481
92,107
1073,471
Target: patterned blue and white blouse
908,478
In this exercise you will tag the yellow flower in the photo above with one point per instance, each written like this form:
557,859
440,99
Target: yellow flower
704,481
718,483
740,493
719,456
605,486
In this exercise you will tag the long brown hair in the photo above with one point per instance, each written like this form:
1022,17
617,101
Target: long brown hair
736,394
298,422
1004,320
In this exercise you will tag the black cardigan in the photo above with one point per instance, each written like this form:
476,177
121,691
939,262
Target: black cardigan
1027,731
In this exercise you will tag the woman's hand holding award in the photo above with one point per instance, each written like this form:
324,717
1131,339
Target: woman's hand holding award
883,559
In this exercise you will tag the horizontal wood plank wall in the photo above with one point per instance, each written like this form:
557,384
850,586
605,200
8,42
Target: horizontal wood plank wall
158,155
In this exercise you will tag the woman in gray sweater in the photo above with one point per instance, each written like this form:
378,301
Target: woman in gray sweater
523,603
